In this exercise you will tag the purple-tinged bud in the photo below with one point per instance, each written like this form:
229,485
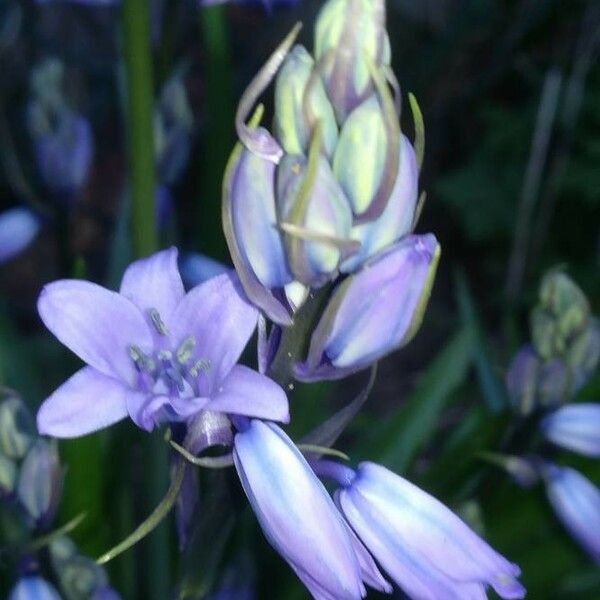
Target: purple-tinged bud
80,577
250,226
576,502
64,147
312,202
33,588
522,380
17,430
173,122
428,551
8,476
40,482
18,228
301,102
397,218
348,35
374,311
575,427
296,513
554,383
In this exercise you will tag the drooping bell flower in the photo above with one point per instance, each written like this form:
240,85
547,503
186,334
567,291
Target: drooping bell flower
18,228
374,311
153,352
421,544
575,427
33,587
296,513
576,502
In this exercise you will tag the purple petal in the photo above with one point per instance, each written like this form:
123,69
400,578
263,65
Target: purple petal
86,402
575,427
148,412
96,324
18,228
154,283
246,392
33,588
197,268
222,321
576,502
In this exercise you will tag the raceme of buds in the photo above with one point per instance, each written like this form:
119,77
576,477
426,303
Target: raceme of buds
373,311
17,431
576,502
40,482
575,427
337,182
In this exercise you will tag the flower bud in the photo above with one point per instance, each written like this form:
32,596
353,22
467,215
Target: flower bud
17,430
301,102
310,199
359,157
8,475
33,588
348,34
173,122
18,228
80,577
374,311
40,482
575,427
583,354
397,219
249,221
522,380
576,502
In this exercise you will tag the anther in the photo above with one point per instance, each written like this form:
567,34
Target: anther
158,323
201,365
184,352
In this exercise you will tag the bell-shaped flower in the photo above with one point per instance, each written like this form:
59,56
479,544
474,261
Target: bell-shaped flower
250,225
40,482
33,588
398,217
576,502
575,427
296,513
422,545
348,35
374,311
18,228
301,102
312,203
153,352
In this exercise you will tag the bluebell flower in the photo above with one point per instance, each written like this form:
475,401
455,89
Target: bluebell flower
33,588
153,352
576,502
575,427
18,228
373,311
422,545
298,517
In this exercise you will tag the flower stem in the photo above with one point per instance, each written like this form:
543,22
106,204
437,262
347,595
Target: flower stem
140,118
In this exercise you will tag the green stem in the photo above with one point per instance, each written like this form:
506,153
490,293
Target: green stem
140,119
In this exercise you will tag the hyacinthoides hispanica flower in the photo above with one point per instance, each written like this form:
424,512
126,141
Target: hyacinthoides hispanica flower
153,352
330,197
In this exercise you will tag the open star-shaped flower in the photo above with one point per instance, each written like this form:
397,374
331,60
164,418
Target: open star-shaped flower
153,352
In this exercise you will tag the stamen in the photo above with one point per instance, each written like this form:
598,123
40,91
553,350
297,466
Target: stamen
142,361
201,365
185,351
158,323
